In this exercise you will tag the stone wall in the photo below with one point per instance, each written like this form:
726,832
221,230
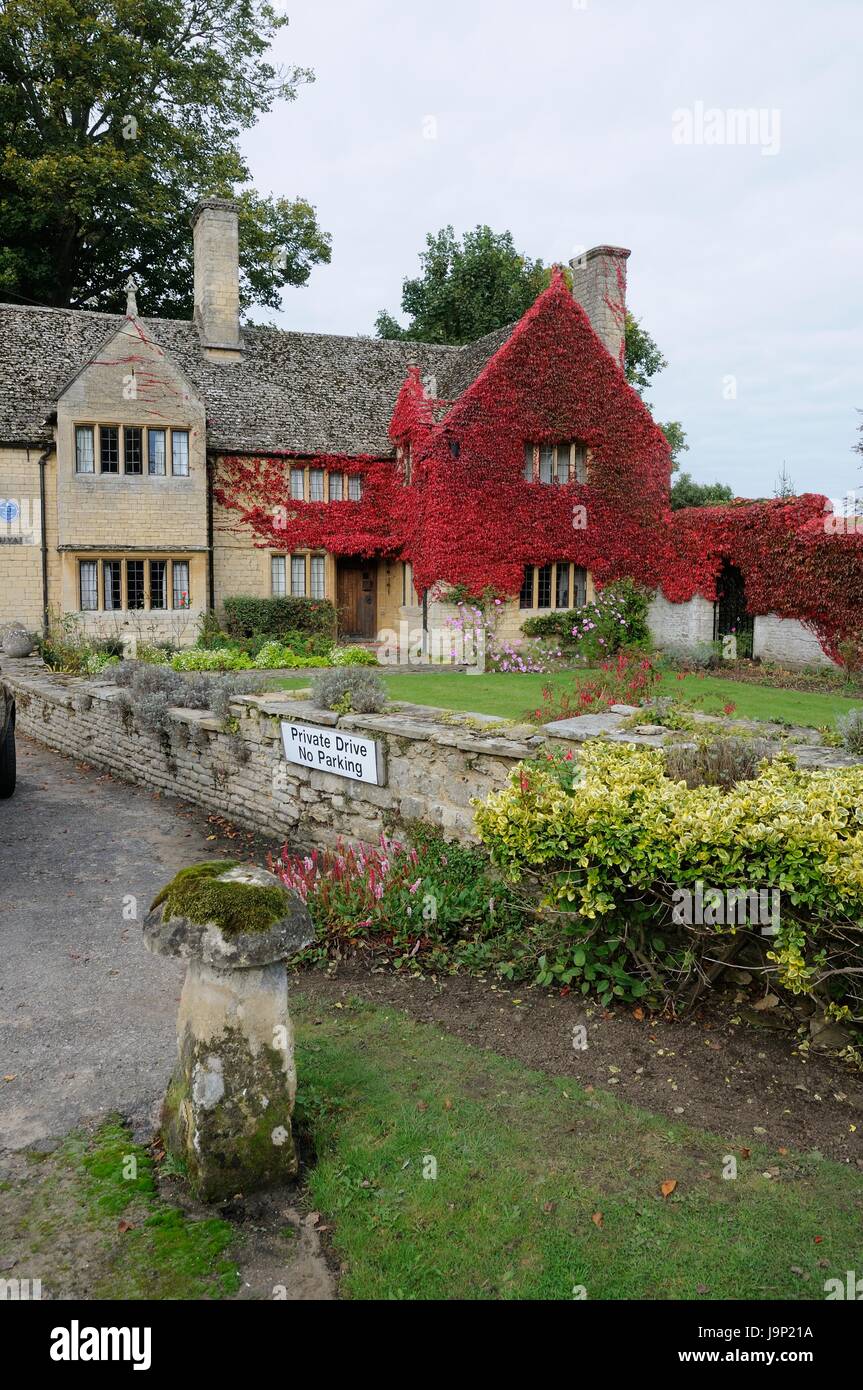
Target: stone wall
435,762
787,641
782,640
432,768
686,623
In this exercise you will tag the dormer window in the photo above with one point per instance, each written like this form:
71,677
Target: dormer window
180,453
85,449
156,453
123,449
109,449
133,449
555,463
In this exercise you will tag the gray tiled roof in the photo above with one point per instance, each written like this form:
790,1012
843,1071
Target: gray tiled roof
298,392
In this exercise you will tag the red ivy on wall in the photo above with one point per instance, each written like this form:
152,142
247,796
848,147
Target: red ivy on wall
469,517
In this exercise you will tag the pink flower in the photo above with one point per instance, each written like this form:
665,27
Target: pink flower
412,887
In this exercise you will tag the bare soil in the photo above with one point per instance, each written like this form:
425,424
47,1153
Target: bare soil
716,1070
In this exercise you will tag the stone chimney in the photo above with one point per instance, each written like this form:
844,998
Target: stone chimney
599,286
217,278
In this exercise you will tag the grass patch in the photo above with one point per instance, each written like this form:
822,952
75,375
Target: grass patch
509,696
89,1223
540,1186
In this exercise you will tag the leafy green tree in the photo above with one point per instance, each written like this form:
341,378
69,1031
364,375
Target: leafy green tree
117,116
472,286
642,361
467,288
685,492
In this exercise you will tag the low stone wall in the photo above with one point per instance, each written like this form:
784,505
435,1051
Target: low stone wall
684,623
432,768
434,762
782,640
787,641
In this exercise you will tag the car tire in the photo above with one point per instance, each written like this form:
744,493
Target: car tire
7,763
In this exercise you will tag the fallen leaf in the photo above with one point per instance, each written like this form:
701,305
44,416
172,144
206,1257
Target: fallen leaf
745,1153
638,1014
668,1187
124,1226
422,1105
549,1207
597,1218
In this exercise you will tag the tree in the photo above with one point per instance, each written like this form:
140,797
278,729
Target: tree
117,117
784,487
685,492
466,289
471,287
642,361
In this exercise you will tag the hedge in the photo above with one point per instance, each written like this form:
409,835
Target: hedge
615,842
245,616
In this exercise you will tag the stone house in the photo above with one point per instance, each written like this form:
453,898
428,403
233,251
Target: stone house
149,468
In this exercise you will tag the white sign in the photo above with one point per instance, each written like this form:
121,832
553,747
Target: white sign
339,751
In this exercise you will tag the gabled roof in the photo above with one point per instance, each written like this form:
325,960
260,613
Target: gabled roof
305,393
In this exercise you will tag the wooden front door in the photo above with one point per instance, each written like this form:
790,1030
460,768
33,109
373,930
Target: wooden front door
356,592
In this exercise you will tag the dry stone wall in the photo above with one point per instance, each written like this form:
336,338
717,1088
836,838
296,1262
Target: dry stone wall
434,763
432,770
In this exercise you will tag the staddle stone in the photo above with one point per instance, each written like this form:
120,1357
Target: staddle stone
227,1111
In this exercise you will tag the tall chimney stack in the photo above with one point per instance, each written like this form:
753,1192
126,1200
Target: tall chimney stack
599,286
217,278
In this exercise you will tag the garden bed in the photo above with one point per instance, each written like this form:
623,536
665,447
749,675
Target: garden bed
723,1068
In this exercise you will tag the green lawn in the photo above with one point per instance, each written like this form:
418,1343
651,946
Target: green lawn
540,1186
510,696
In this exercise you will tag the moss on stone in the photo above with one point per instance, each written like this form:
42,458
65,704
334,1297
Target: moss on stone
230,1146
234,907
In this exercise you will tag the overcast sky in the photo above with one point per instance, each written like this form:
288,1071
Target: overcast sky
561,121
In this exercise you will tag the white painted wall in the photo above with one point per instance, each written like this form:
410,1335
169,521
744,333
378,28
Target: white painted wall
688,623
787,641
